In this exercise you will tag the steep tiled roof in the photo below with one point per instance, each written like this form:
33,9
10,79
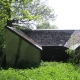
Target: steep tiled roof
50,37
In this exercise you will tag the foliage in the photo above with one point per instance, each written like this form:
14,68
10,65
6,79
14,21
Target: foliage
46,25
38,7
40,12
71,53
19,11
74,51
5,16
46,71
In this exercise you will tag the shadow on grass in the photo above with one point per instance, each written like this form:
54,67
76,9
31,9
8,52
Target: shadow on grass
22,65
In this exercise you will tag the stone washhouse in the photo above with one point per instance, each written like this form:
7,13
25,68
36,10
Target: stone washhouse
32,46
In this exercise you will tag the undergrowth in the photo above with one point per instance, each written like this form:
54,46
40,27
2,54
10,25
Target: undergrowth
46,71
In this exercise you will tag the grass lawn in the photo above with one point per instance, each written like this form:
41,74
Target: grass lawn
46,71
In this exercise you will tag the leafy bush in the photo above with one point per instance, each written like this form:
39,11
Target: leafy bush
2,40
74,55
71,53
3,18
74,50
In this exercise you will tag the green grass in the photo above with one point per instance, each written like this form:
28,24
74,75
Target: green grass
46,71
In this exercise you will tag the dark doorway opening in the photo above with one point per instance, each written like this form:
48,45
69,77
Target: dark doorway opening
54,53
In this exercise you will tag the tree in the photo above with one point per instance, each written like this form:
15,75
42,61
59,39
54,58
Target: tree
3,18
6,17
46,25
39,11
17,12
